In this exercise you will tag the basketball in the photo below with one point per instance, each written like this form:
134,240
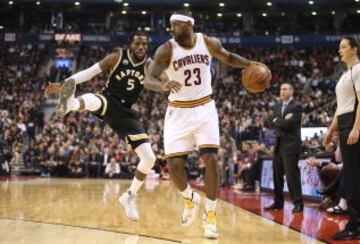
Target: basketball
256,78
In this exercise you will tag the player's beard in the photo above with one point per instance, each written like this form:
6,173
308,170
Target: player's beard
139,57
182,37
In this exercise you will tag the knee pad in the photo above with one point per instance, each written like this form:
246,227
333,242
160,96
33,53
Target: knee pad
147,158
92,102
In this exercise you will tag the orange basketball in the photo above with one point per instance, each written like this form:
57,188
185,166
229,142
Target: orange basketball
256,78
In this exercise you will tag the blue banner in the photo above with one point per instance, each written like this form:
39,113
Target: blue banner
156,40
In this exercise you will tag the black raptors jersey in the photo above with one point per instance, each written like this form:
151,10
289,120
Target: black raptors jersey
125,81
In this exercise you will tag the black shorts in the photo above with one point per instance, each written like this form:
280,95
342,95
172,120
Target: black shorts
123,120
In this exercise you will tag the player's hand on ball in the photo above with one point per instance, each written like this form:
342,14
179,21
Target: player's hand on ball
172,86
51,89
255,63
256,78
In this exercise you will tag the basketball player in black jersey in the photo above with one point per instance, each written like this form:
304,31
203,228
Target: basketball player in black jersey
113,105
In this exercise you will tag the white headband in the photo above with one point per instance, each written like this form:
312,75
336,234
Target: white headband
183,18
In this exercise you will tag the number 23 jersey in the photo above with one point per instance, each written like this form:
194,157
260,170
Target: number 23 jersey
126,80
190,67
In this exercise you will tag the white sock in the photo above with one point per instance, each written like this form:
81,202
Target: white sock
210,205
187,193
135,185
75,105
343,204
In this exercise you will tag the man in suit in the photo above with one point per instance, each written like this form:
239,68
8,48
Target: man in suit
287,124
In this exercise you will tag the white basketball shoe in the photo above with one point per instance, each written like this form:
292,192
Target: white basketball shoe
66,96
191,207
209,224
128,200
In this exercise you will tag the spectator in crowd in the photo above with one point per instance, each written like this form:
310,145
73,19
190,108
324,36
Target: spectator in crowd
105,156
112,169
330,174
61,161
227,159
77,160
31,156
5,158
95,163
252,171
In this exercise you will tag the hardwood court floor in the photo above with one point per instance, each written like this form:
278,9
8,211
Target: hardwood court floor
87,211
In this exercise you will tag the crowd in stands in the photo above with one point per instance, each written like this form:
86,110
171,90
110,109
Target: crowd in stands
83,146
123,25
20,97
92,21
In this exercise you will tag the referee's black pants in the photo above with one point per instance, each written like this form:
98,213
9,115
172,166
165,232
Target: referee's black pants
351,170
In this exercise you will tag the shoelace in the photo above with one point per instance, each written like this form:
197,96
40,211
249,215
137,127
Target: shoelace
132,202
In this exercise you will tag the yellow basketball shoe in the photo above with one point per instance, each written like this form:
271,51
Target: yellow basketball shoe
191,207
209,224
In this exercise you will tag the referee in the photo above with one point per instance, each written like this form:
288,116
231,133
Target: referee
347,121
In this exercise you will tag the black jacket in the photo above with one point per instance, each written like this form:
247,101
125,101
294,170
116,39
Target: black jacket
288,131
